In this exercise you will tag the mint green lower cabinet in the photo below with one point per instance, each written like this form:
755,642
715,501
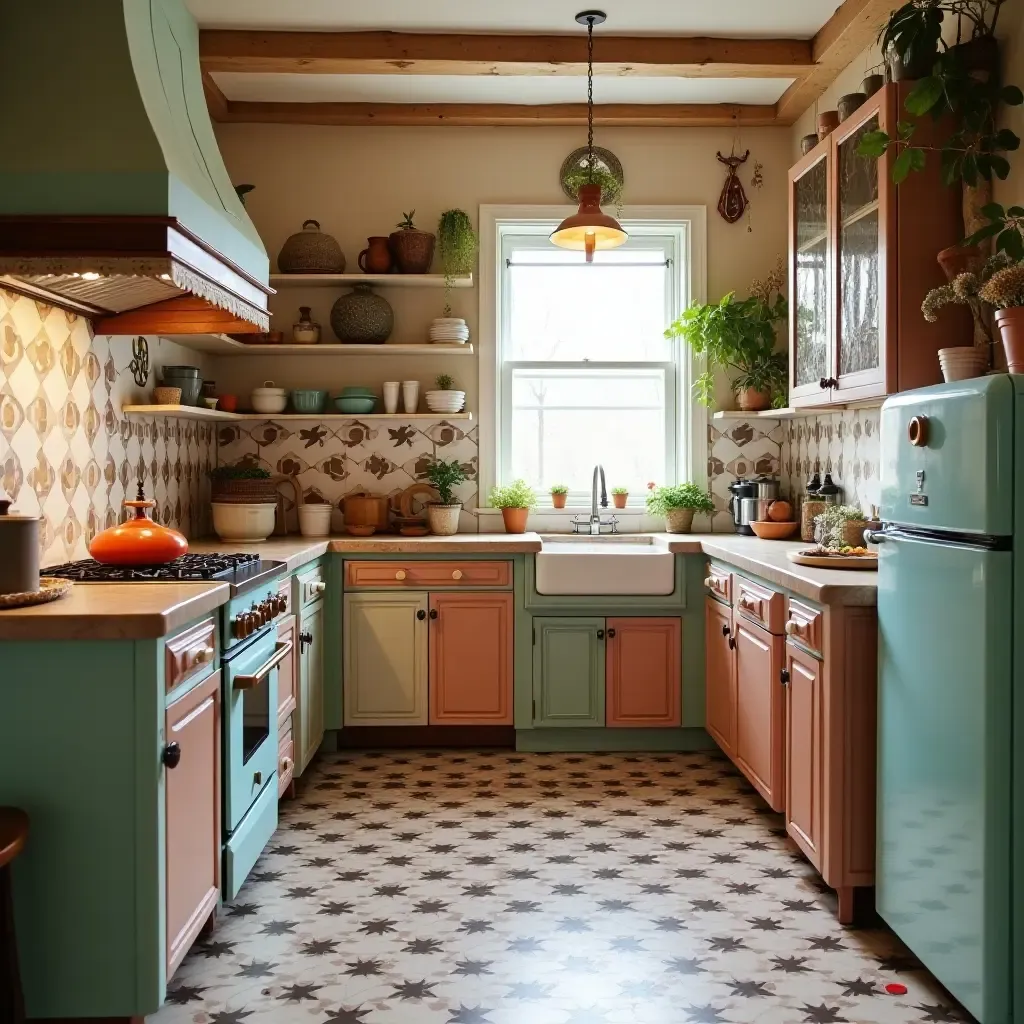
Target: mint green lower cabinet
311,684
568,672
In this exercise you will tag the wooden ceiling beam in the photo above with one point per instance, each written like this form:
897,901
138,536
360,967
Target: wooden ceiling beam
369,53
472,115
851,30
216,101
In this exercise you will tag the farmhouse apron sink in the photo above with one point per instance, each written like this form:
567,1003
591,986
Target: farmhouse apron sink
604,566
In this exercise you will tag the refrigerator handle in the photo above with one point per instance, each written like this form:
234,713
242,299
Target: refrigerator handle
874,536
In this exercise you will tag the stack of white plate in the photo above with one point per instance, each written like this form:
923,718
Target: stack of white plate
962,363
449,330
447,402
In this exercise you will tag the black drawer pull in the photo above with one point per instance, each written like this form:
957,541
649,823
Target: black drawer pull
171,756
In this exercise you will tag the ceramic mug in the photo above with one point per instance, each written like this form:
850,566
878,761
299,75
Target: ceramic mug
411,395
391,388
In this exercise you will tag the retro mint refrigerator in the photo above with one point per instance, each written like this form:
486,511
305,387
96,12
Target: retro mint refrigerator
951,696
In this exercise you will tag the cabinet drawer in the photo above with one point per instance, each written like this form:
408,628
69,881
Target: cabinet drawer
719,583
804,626
417,575
285,761
759,603
311,585
190,653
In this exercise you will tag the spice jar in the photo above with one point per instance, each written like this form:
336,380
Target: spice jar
810,507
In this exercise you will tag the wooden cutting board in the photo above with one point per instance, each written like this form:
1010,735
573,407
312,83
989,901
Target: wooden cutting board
833,561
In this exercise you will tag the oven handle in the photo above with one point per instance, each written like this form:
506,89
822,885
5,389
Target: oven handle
247,682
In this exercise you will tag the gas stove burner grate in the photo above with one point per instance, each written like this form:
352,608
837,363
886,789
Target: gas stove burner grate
186,568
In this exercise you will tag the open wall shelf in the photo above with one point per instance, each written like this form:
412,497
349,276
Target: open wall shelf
192,412
222,345
380,280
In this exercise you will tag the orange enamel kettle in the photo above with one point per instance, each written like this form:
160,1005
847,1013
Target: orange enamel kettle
138,540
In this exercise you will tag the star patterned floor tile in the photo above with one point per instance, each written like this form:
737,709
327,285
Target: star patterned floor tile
464,887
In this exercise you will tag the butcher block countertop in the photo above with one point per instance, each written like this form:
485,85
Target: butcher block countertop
114,611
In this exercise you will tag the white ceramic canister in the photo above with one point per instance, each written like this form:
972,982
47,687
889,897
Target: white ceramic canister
411,395
391,389
19,552
315,520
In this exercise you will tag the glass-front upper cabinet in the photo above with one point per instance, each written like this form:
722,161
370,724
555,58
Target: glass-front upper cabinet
811,295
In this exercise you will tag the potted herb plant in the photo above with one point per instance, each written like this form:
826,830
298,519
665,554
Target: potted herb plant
515,500
443,515
559,492
741,335
619,496
841,526
678,503
445,399
456,247
242,484
1004,291
413,249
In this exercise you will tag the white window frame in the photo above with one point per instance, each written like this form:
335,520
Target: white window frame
688,420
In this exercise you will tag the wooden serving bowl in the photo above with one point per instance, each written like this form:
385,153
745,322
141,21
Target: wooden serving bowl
774,531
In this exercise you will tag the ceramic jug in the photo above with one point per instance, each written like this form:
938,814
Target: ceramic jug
376,257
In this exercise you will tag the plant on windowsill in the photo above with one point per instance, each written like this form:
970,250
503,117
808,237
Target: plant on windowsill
678,503
443,515
559,492
741,335
456,246
515,500
620,495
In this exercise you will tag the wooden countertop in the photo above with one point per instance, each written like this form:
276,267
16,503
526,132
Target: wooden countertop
114,611
293,551
460,544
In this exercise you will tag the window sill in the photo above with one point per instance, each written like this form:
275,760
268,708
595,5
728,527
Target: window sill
572,510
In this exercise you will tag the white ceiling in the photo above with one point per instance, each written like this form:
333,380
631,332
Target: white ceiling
493,89
753,18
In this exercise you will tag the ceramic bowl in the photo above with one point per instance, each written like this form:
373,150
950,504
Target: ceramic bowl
243,521
269,403
414,531
357,392
167,395
208,401
309,400
357,406
361,531
767,530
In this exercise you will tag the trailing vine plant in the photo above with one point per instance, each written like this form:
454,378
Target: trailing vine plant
456,245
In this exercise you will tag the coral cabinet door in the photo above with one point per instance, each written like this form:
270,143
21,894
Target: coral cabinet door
720,675
471,659
804,737
643,672
760,709
191,758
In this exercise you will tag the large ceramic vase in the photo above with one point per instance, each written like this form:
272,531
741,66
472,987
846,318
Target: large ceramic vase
412,249
1011,329
311,251
362,317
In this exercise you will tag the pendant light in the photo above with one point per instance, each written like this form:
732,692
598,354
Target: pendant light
589,228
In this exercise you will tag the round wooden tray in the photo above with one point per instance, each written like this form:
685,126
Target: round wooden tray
834,561
50,588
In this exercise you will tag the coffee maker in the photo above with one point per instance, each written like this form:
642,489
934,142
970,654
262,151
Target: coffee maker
750,501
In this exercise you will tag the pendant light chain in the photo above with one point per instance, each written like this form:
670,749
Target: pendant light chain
590,96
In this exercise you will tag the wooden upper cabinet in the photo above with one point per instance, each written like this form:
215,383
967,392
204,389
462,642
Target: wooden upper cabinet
192,783
643,672
471,659
861,260
720,675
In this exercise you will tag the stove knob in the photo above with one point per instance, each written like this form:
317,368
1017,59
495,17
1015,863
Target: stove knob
282,603
238,630
251,622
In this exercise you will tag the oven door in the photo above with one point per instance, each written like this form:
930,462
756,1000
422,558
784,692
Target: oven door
250,723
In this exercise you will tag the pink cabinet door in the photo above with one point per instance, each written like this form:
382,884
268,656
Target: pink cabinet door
192,814
804,765
760,709
643,672
286,674
719,675
470,658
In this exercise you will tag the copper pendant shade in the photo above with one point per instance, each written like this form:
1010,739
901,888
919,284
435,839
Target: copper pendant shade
589,228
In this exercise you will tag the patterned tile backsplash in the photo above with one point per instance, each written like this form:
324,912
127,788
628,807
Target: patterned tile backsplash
66,451
742,449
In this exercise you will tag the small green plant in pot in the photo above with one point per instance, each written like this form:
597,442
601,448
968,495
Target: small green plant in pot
559,493
515,500
456,246
620,495
445,399
678,503
443,515
741,335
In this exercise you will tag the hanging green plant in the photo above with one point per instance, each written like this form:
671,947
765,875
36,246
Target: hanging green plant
611,186
456,245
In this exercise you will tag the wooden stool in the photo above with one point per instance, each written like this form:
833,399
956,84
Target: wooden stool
13,833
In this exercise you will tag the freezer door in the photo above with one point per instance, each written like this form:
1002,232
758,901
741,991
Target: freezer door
961,477
944,785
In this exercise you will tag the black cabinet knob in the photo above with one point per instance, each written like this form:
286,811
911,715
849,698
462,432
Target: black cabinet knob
732,643
823,384
305,638
433,613
600,634
726,631
611,634
784,677
171,755
421,615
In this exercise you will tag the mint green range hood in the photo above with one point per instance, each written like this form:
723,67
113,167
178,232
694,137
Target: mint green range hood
113,193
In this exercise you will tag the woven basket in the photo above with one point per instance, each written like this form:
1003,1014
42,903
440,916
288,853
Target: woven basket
244,492
853,533
678,520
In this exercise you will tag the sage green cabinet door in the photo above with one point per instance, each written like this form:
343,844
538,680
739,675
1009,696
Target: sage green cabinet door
568,672
385,643
311,683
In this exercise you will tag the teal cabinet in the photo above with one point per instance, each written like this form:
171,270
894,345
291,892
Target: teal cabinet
311,683
568,672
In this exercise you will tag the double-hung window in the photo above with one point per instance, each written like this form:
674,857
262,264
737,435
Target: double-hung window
584,374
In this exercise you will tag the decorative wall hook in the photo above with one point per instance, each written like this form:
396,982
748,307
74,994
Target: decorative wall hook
139,365
733,200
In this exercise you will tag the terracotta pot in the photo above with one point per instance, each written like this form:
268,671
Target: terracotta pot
807,143
138,541
515,519
362,509
443,520
1011,329
850,103
958,259
619,500
376,257
678,520
828,122
871,84
752,400
412,249
558,500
